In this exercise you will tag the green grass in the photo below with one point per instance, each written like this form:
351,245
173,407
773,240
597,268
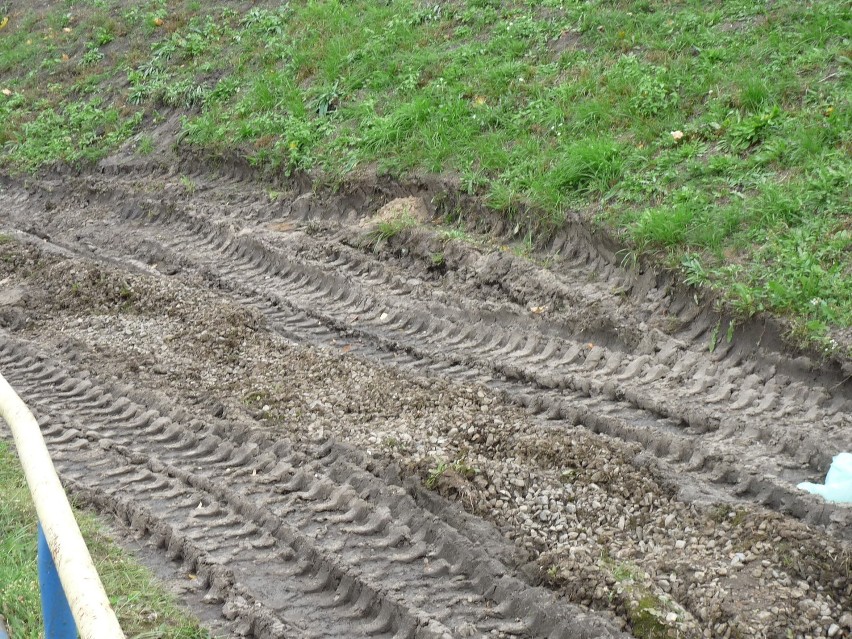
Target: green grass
144,609
458,466
645,611
385,230
544,107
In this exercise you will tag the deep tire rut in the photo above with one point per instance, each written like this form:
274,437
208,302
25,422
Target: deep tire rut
724,423
343,552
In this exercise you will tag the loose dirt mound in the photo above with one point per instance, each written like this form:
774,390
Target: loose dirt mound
401,208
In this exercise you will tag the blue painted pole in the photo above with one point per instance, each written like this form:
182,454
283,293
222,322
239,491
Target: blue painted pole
58,621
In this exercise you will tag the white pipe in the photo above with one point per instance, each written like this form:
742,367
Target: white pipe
89,604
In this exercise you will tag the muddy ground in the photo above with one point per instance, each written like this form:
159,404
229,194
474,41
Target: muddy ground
332,430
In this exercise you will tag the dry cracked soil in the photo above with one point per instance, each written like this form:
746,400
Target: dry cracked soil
316,427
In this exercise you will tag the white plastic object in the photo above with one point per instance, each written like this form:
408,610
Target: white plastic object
838,482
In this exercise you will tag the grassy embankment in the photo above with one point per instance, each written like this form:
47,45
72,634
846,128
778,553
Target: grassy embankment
714,136
144,610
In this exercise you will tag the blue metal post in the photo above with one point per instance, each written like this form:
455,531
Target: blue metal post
58,621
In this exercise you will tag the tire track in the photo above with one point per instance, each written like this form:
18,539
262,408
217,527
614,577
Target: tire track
714,416
582,383
343,553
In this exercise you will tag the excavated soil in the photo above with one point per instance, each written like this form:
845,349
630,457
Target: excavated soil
344,426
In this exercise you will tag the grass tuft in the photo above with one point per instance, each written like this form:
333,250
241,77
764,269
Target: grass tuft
385,230
591,165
